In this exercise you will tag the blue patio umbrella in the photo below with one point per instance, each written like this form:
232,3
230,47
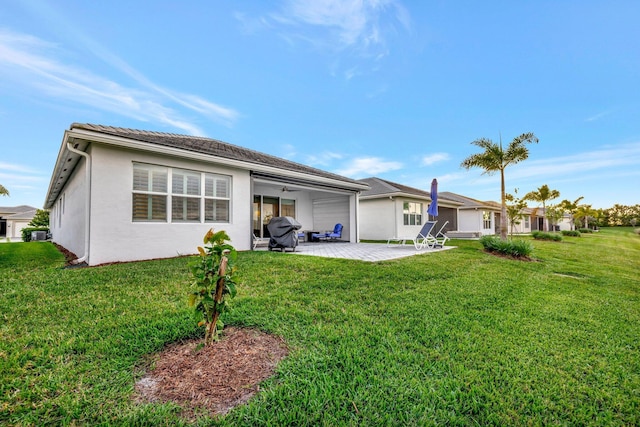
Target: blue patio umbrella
433,206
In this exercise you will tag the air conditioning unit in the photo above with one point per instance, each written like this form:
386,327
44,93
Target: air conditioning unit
38,235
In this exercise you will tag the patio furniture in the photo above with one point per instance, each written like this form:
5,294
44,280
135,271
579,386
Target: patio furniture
425,239
259,241
441,237
329,235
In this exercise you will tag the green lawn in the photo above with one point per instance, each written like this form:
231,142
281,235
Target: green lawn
457,337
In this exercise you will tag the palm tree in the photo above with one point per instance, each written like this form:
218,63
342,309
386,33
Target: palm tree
3,191
542,195
571,207
495,158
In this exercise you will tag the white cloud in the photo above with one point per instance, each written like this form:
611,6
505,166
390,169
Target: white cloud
368,166
597,116
361,27
323,159
28,61
434,158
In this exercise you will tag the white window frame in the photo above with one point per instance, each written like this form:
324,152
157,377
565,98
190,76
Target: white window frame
410,214
186,194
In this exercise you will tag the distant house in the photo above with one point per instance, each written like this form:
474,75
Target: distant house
475,218
389,209
14,219
120,194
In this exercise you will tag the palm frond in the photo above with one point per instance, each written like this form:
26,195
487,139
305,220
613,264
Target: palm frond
3,191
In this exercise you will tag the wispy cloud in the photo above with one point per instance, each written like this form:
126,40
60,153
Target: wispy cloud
368,166
597,116
29,61
430,159
323,159
361,27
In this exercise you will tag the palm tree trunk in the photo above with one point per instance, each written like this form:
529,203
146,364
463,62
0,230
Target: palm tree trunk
503,209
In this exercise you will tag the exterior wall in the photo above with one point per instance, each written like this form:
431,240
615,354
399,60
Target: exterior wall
378,218
14,228
471,220
524,226
381,219
67,218
115,237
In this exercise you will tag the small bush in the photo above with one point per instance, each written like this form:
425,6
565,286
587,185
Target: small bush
585,230
571,233
26,232
513,248
541,235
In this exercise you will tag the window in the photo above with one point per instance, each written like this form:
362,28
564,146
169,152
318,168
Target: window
188,203
526,222
149,193
486,220
217,189
288,207
186,196
412,212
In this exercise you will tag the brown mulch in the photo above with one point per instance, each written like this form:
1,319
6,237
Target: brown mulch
215,378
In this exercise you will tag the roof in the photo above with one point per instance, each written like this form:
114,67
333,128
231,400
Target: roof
379,187
23,215
468,202
382,187
16,209
82,134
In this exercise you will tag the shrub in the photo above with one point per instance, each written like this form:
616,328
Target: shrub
26,232
541,235
513,248
213,273
585,230
571,233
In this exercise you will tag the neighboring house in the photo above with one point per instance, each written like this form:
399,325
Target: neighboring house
14,219
525,222
475,218
389,209
120,194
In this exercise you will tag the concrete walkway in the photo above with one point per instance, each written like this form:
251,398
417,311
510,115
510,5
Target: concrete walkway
362,251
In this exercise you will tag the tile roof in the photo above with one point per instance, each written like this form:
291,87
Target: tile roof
16,209
209,146
468,202
379,187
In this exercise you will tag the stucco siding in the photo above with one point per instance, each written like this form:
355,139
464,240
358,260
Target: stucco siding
377,219
68,216
116,237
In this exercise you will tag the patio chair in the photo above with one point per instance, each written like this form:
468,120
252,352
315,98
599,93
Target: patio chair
425,239
329,235
259,241
441,237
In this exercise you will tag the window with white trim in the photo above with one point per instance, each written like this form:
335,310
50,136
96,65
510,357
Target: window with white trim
149,192
185,196
412,212
217,189
154,186
486,220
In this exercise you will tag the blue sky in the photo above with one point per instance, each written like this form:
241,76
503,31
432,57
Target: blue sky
394,89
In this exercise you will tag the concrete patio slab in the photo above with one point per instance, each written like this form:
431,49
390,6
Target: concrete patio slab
361,251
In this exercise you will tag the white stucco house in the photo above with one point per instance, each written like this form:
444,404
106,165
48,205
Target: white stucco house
13,219
120,194
475,218
389,210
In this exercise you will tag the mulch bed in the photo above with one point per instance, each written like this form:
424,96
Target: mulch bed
215,378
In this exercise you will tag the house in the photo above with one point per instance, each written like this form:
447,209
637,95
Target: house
120,194
475,218
389,209
14,219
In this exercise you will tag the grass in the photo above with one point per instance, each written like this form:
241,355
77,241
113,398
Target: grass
458,337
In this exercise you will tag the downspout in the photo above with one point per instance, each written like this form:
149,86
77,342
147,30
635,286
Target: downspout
87,227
